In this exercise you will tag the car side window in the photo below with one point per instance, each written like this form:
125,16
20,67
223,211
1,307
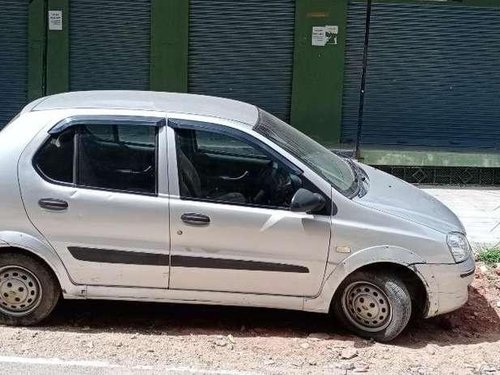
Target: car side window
125,163
102,156
56,157
230,170
214,143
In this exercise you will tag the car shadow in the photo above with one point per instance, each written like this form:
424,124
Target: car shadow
476,322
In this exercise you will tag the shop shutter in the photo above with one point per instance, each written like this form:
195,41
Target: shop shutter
243,50
13,58
109,44
433,76
353,69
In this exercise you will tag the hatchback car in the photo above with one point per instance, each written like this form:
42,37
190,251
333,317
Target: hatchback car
148,196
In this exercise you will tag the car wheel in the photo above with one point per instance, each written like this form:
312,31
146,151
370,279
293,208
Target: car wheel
28,290
373,305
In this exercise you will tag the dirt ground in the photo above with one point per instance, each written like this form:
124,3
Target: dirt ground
265,341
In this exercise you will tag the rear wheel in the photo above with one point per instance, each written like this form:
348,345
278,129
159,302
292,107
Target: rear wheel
28,290
373,305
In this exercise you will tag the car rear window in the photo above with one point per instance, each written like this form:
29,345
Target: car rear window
55,159
102,156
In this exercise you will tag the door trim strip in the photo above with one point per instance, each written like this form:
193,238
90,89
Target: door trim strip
151,259
89,254
234,264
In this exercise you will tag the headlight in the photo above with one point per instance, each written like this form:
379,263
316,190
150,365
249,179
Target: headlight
458,245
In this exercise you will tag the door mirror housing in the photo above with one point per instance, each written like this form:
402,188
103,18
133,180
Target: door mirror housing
306,201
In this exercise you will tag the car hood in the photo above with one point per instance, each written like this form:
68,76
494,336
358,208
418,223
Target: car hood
396,197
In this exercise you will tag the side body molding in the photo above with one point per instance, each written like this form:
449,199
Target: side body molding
336,274
45,252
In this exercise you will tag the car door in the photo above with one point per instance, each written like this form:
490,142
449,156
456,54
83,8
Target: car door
93,187
230,231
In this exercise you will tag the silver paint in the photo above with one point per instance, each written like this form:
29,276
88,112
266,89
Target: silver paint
393,223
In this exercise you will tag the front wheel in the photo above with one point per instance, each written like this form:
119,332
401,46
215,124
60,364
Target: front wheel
373,305
28,290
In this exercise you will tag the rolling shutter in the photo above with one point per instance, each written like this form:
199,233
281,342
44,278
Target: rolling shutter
243,50
109,44
13,58
353,69
433,78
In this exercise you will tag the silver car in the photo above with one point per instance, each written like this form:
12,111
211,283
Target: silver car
148,196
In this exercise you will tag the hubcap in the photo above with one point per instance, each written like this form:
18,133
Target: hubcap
366,306
20,290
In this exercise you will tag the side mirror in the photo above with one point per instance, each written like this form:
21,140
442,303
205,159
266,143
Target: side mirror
306,201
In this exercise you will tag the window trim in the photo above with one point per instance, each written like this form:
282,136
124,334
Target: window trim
110,120
247,138
71,121
236,133
222,153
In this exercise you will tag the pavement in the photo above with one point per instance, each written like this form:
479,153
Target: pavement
55,366
477,208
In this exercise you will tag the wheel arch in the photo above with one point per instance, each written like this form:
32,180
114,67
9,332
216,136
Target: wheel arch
409,276
405,263
32,246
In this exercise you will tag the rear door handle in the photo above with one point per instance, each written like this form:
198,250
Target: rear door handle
53,204
195,219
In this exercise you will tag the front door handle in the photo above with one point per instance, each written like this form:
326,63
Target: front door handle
195,219
53,204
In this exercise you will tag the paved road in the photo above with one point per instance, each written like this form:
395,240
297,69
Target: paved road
478,209
53,366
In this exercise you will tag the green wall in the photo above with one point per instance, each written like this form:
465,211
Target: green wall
318,71
36,49
169,45
58,51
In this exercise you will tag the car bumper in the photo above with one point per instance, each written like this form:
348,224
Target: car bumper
447,285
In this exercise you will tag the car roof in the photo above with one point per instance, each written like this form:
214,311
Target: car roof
150,101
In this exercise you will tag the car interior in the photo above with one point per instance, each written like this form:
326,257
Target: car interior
55,158
106,159
117,163
229,170
211,166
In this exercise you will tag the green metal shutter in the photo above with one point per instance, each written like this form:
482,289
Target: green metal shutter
13,58
355,41
243,50
433,77
109,44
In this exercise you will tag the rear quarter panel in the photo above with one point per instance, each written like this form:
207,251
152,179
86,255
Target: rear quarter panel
16,230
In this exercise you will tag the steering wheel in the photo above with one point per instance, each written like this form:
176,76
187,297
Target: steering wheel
276,186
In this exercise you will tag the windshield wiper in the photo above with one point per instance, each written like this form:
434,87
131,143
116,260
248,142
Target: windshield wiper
359,178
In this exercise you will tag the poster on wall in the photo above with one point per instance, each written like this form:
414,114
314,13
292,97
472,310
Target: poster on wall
55,20
324,35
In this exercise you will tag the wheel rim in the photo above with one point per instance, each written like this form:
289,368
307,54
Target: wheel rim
366,306
20,291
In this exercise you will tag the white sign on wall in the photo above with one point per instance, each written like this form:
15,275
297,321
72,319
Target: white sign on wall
55,20
323,35
318,36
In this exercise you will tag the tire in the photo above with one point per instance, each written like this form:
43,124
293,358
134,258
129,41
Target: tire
373,305
29,290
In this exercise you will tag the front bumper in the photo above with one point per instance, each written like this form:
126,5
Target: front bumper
447,285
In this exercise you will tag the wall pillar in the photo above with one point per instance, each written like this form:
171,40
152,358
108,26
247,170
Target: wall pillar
58,50
169,45
318,71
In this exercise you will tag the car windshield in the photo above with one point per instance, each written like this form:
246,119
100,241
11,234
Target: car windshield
331,167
